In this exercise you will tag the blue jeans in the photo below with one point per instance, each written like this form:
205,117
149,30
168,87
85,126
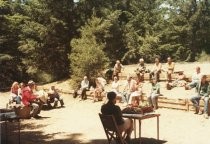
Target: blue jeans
17,99
152,99
126,96
196,99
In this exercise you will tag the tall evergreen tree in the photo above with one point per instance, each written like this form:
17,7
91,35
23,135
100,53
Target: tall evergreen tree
10,65
87,56
45,38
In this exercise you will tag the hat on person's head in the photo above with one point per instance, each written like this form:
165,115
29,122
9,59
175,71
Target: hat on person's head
111,96
31,82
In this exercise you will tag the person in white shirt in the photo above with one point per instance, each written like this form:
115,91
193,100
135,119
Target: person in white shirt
84,88
130,87
115,85
196,77
156,70
116,88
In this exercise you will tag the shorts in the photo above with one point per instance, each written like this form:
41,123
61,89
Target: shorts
126,125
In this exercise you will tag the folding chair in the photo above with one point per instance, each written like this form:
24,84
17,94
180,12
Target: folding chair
111,130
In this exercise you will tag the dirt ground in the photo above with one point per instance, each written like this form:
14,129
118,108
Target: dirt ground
78,122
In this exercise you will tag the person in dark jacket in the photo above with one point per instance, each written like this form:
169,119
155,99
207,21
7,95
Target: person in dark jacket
203,91
124,125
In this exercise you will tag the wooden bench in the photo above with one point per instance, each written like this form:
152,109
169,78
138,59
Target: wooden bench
162,76
179,104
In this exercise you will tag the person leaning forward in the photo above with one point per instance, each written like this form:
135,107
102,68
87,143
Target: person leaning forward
124,125
203,92
29,99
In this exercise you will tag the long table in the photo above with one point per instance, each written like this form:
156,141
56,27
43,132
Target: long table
141,117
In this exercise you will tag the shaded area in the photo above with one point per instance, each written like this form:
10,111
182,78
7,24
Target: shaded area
149,141
32,133
39,137
9,132
133,141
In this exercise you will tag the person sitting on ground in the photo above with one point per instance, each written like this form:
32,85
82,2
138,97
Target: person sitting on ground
203,91
140,70
124,125
99,88
156,70
196,77
29,99
179,82
117,69
16,97
155,92
169,69
54,97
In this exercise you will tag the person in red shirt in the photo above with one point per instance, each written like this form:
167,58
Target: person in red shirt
29,99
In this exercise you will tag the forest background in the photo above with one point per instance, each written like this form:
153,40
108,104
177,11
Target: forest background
49,40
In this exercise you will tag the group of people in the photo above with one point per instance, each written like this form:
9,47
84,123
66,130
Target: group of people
96,89
198,81
29,95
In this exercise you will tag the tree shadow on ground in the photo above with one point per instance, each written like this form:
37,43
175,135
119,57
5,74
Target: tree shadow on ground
133,141
38,137
30,135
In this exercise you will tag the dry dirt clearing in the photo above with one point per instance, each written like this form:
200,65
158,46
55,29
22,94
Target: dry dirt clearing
78,122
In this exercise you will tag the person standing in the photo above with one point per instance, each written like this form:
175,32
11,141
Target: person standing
124,125
99,88
203,91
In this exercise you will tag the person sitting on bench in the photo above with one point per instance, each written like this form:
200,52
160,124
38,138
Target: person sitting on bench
155,92
54,97
169,69
203,91
196,77
99,88
140,70
29,99
156,70
15,93
117,69
84,88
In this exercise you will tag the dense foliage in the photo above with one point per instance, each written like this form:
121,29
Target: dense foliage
48,40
